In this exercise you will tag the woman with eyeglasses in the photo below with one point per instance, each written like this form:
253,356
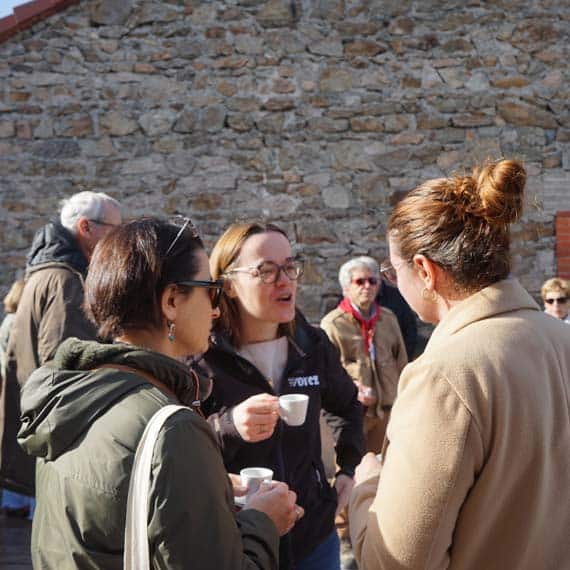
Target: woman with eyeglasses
149,289
264,348
555,293
474,470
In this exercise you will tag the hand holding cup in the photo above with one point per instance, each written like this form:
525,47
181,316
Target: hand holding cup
256,417
278,503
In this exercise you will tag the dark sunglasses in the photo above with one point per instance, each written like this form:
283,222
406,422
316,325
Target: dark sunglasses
558,300
362,280
215,289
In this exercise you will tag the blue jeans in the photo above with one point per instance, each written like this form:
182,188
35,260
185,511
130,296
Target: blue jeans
325,557
12,500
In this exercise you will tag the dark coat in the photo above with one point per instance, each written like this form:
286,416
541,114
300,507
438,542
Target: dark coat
293,453
49,312
390,297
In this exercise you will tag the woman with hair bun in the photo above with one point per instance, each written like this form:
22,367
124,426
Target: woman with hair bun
474,469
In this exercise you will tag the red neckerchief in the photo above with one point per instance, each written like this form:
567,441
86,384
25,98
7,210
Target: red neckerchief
366,325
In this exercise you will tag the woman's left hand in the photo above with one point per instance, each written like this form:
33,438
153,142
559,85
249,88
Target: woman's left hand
343,486
368,467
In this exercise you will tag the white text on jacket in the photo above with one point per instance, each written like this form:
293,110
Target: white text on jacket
301,381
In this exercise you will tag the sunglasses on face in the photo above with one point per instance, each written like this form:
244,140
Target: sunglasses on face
557,300
360,281
269,271
215,289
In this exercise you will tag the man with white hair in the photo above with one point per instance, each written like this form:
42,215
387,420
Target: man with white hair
50,311
371,346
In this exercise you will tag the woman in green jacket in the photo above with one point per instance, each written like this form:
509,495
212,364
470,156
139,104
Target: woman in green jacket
149,289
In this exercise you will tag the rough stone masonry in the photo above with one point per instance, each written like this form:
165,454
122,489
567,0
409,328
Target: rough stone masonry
315,114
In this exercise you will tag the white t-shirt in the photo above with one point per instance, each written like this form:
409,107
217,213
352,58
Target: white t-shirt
269,357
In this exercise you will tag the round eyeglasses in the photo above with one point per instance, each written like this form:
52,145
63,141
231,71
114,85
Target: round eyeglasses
389,271
215,289
269,271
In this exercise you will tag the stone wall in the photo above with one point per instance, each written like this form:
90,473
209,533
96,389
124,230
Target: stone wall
315,114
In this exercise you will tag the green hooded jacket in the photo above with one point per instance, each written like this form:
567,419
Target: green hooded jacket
83,423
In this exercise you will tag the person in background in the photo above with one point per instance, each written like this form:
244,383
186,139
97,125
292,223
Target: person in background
264,348
389,297
555,295
370,343
149,290
12,504
372,351
474,470
50,311
11,301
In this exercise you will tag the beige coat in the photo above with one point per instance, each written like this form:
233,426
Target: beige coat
476,470
382,373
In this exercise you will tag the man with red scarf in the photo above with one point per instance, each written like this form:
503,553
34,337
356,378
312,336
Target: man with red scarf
371,346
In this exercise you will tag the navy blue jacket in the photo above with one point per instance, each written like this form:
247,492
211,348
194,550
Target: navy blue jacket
293,453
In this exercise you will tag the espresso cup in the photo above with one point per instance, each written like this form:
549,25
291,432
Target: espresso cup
293,408
253,477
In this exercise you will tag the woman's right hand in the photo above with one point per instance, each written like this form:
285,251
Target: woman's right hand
278,503
256,417
369,467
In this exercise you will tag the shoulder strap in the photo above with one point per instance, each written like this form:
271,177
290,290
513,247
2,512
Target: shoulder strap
136,555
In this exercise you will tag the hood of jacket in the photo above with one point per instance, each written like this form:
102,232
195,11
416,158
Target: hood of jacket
60,401
54,244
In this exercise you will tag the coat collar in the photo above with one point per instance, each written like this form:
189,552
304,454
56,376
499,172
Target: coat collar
502,297
55,245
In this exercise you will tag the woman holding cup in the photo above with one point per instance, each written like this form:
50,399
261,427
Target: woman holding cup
83,416
474,469
263,348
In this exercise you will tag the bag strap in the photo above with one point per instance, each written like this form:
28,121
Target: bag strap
136,555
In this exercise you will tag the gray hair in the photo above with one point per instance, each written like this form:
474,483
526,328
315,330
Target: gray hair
85,205
346,269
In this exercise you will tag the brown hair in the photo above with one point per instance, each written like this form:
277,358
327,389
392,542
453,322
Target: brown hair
225,253
12,298
554,285
462,223
131,267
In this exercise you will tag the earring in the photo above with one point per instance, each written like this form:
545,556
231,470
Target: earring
429,295
171,330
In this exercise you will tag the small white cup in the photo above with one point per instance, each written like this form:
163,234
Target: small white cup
253,477
293,408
